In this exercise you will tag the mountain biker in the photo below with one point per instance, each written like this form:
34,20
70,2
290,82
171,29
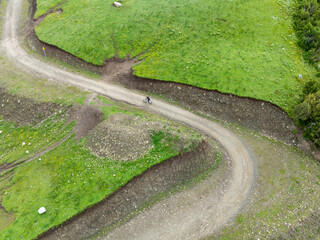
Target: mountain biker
148,99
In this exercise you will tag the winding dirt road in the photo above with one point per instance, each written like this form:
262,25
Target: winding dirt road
205,212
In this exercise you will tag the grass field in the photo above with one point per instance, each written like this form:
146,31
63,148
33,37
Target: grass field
18,143
242,47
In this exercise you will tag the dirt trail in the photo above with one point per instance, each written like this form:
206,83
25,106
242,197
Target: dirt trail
204,214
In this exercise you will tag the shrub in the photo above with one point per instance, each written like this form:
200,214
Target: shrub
303,111
306,21
311,86
308,114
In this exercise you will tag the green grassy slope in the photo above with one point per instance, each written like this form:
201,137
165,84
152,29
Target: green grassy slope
66,181
242,47
18,143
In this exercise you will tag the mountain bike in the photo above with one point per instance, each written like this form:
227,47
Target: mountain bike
147,100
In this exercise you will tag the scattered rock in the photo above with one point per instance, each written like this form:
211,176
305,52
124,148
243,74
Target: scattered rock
117,4
42,210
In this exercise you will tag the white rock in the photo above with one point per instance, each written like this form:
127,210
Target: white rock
117,4
42,210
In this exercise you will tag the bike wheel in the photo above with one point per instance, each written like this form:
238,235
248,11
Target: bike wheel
150,102
145,100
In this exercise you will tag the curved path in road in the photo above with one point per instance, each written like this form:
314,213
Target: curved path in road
204,213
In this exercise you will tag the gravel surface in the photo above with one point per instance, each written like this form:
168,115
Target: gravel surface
198,218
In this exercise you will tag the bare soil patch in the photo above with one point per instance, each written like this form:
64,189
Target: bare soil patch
115,68
25,111
122,137
87,117
127,137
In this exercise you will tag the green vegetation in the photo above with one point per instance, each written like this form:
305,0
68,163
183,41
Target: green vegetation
242,47
308,112
109,108
18,143
44,6
42,90
306,19
66,181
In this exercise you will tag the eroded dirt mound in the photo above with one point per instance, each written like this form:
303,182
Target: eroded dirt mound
114,68
88,117
127,137
120,137
25,111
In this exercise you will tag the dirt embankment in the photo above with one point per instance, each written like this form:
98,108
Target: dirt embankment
51,51
137,194
24,111
253,114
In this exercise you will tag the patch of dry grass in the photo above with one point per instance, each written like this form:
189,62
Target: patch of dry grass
286,193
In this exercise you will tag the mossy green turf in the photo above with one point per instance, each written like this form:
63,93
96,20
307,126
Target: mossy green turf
20,143
242,47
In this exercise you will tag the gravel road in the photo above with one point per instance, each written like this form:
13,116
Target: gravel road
202,214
